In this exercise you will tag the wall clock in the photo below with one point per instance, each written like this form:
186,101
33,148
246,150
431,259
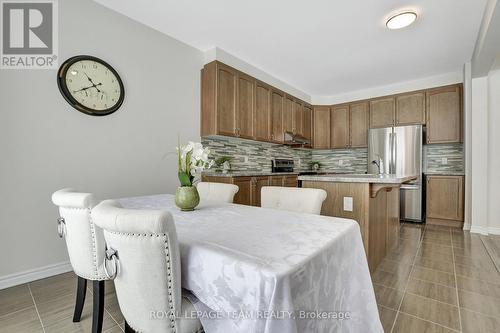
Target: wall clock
90,85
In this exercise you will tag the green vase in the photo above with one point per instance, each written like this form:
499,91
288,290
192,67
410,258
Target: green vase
187,198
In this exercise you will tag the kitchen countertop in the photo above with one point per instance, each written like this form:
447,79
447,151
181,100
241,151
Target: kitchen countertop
247,173
359,178
445,173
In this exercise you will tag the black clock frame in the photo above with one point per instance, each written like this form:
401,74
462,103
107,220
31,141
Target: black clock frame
63,88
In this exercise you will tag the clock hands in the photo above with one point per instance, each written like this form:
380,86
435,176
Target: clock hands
93,84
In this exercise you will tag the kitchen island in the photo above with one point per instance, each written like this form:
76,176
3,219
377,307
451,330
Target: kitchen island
371,200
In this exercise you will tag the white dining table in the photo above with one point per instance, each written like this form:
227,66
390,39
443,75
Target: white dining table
254,269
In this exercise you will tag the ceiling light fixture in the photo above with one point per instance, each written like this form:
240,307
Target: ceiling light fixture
401,20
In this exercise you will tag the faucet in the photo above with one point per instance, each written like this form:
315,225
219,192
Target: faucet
378,162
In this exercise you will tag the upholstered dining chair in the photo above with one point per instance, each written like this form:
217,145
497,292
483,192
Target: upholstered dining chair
85,244
217,191
143,256
295,199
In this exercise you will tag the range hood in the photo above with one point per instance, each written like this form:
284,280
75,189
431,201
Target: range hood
295,140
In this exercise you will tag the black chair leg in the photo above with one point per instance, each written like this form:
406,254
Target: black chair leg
80,299
128,329
98,306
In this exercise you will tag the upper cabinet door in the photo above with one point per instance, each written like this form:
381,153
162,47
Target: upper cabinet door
262,114
410,109
226,100
339,130
307,110
382,112
321,127
288,114
360,116
245,105
277,105
298,116
444,115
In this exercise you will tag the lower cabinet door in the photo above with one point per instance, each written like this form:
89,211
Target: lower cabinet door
445,197
291,181
244,195
258,183
276,180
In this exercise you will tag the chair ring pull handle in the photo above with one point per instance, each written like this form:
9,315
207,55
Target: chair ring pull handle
61,227
112,261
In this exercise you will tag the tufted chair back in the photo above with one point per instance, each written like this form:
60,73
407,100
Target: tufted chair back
146,262
217,191
84,240
302,200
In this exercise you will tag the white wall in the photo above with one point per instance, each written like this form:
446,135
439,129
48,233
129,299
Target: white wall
395,88
494,151
229,59
46,145
485,150
479,155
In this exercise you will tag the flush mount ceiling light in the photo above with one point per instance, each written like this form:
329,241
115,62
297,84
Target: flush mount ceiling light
401,20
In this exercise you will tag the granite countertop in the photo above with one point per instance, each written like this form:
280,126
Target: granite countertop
445,173
246,173
359,178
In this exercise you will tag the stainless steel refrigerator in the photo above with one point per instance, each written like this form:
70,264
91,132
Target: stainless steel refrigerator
398,150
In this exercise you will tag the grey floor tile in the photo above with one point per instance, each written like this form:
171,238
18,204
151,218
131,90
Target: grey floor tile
409,324
486,305
14,299
387,317
54,287
435,291
473,322
23,321
388,297
431,310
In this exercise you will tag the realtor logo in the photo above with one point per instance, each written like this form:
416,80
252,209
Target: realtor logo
29,34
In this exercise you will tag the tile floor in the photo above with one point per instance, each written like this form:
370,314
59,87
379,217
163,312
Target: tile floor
435,280
47,306
439,279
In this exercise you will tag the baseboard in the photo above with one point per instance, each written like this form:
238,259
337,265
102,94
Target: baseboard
34,274
479,229
467,226
494,230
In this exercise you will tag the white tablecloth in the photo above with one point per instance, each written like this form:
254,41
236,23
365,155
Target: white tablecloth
272,271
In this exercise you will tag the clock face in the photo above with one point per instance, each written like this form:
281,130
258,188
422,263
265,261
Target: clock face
90,85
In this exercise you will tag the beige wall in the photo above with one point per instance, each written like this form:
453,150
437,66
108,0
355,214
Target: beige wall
46,145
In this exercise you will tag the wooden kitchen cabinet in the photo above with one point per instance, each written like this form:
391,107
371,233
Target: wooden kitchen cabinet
382,112
277,105
445,200
262,114
250,187
258,183
298,118
218,100
358,124
288,114
349,125
244,195
410,109
339,126
444,114
307,131
245,105
321,127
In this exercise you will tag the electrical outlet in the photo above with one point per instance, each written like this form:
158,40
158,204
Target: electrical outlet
444,161
341,162
245,159
348,204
